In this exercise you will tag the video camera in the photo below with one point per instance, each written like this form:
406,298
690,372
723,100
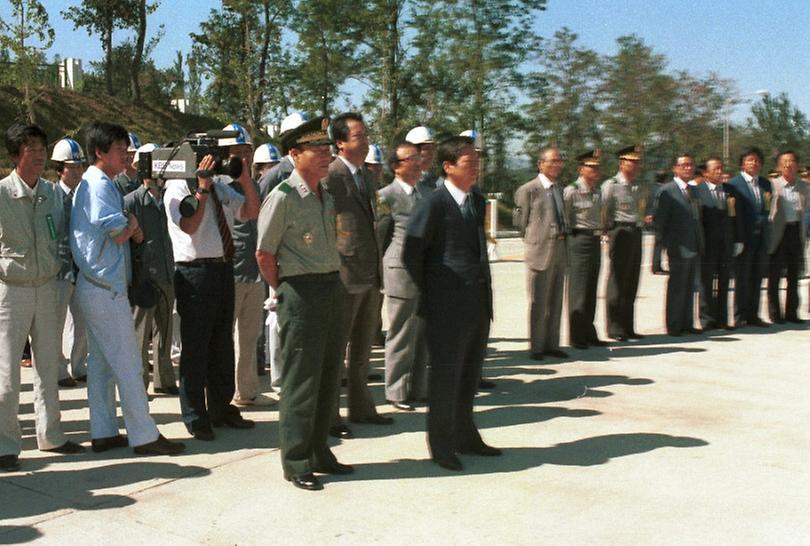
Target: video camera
181,160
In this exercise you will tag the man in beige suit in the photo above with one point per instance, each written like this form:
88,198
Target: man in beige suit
354,191
544,227
787,238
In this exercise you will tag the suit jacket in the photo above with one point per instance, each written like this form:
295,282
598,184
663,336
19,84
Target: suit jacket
356,227
677,221
777,212
276,175
538,223
720,230
754,217
394,207
445,258
153,258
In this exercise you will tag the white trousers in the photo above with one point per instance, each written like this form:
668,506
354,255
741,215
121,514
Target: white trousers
24,312
70,332
114,361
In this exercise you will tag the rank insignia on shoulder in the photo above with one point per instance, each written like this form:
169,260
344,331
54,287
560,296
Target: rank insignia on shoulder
284,187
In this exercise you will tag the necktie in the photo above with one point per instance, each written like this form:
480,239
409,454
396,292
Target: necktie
558,207
467,210
358,180
755,190
222,225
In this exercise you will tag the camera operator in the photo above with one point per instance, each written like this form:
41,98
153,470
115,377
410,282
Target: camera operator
204,286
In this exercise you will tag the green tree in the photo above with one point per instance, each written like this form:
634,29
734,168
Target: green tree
28,23
776,125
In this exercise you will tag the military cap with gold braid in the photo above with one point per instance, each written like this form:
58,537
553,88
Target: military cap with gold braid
631,153
312,132
591,158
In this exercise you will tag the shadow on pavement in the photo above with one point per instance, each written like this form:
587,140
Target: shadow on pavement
585,452
556,389
18,534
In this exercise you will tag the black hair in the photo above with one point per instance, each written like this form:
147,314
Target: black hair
753,150
20,134
450,149
679,155
786,152
340,125
101,136
661,176
393,159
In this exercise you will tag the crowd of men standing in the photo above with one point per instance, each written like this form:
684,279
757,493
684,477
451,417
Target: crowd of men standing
310,244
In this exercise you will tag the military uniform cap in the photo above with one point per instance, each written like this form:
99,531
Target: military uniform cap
312,132
591,158
631,153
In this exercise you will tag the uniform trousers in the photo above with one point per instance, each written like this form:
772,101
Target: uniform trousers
310,311
625,266
545,289
153,327
360,326
72,337
584,259
24,312
248,313
405,351
457,345
749,269
114,361
205,301
786,260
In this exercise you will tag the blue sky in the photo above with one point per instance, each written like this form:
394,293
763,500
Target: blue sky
761,45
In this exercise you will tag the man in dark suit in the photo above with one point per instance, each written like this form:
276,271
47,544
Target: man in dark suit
677,223
786,245
752,194
721,236
445,252
354,191
405,348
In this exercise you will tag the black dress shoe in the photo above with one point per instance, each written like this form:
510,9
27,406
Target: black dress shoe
67,382
100,445
486,385
759,323
172,390
161,446
341,431
635,335
483,449
796,320
580,345
68,448
375,377
233,420
403,406
673,333
81,378
729,327
693,331
619,337
450,462
596,342
374,420
9,463
556,353
204,434
334,468
308,482
536,356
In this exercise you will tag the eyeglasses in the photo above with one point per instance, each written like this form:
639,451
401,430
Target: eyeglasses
414,157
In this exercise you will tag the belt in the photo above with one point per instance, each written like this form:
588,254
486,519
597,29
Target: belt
311,277
199,262
592,232
626,224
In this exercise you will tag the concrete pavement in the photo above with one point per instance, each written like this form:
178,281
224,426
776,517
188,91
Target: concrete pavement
697,440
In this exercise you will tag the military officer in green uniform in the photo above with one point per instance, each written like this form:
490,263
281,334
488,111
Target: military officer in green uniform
621,197
583,204
297,255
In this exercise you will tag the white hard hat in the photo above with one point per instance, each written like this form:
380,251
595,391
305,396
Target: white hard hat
148,147
420,135
134,142
67,150
242,136
292,121
266,153
475,135
374,155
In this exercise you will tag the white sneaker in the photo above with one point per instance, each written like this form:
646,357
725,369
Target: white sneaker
258,400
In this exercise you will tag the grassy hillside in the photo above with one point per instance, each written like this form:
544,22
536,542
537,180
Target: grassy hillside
66,113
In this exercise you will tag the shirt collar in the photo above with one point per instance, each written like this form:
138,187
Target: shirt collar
621,179
22,189
64,187
748,178
455,192
407,188
681,183
545,181
349,164
711,185
300,185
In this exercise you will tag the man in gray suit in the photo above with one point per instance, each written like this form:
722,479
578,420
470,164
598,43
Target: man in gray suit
405,348
543,227
354,192
678,228
786,244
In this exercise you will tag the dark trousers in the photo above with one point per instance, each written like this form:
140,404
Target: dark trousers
658,251
310,308
625,266
749,269
786,261
205,304
457,342
584,259
714,275
680,292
